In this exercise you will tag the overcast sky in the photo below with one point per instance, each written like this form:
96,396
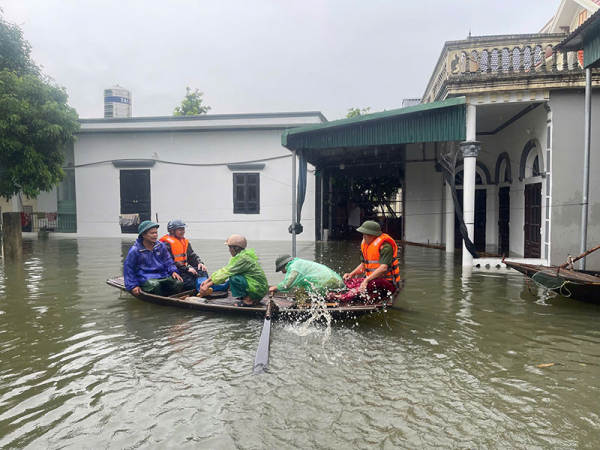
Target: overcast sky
256,55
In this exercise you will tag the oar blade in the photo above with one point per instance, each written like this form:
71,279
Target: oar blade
261,361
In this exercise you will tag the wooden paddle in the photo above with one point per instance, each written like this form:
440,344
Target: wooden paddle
261,361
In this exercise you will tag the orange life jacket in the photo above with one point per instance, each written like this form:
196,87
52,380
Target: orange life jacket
371,258
178,248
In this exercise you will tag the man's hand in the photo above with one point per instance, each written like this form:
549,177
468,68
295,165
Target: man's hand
192,271
347,276
176,276
273,289
204,287
136,291
202,267
363,286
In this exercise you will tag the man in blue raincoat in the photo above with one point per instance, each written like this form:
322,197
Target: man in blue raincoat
149,266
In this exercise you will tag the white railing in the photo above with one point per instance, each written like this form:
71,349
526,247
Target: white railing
499,56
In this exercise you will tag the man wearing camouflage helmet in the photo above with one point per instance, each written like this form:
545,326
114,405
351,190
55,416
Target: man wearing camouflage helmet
247,279
379,265
148,266
307,276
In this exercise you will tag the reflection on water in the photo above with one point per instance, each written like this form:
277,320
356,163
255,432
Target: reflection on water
456,368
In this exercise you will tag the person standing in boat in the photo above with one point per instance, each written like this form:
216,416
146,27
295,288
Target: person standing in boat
149,266
188,263
247,279
379,265
305,276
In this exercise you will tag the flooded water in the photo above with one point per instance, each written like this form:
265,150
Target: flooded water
82,368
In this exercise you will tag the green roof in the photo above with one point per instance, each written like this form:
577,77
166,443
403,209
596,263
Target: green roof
429,122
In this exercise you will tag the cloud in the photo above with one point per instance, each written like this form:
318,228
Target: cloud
259,56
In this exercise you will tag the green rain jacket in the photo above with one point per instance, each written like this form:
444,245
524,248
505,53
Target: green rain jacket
245,263
312,276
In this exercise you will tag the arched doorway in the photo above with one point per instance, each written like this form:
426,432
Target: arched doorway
504,179
531,169
481,179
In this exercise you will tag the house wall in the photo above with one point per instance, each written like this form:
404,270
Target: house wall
513,140
567,184
201,196
47,201
424,196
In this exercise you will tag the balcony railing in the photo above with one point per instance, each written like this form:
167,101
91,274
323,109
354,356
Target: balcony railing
489,57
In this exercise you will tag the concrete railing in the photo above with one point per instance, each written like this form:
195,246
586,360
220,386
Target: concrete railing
490,57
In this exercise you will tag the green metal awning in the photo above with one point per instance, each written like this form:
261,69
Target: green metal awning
587,38
429,122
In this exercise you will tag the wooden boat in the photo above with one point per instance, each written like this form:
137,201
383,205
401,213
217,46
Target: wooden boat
285,308
581,285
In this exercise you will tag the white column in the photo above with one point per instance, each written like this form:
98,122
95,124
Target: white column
449,220
469,149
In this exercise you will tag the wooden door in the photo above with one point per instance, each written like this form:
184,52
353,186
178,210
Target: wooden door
533,220
480,219
135,196
504,220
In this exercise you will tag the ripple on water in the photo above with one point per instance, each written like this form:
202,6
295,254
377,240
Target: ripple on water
83,367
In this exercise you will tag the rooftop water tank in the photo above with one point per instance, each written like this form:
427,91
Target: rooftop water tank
117,102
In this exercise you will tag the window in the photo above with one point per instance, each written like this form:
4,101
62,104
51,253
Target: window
459,178
246,193
535,170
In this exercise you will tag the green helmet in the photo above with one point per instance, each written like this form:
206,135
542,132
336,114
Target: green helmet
281,261
145,226
370,227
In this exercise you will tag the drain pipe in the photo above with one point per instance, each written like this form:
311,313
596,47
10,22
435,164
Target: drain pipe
586,163
294,208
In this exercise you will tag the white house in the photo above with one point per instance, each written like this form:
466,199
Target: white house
510,112
221,174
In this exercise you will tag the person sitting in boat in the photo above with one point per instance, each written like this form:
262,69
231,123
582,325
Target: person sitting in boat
188,263
379,265
149,266
304,276
247,279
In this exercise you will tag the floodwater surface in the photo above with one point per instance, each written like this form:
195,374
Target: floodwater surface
453,366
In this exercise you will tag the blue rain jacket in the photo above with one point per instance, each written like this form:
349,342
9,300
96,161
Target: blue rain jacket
142,264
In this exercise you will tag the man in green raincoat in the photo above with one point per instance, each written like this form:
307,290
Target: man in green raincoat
247,279
307,276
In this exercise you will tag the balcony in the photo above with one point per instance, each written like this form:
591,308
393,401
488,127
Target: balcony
503,63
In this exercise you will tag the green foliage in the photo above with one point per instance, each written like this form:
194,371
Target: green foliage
354,112
15,50
191,105
36,123
368,192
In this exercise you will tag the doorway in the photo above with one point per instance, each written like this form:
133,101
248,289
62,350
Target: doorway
504,220
480,220
135,196
533,220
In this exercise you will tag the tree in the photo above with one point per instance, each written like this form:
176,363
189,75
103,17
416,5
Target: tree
191,105
36,123
355,112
